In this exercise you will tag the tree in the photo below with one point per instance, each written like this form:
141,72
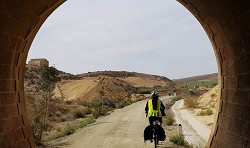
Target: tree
48,78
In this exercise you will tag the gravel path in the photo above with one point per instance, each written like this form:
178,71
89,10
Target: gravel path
122,129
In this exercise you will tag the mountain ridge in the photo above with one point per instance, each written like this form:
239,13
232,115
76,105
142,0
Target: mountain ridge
204,77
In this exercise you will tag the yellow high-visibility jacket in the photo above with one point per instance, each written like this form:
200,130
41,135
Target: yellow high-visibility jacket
154,113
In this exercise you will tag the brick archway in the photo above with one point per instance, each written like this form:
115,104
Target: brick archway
225,21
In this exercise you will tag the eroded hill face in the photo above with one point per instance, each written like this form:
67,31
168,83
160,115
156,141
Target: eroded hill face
209,99
90,88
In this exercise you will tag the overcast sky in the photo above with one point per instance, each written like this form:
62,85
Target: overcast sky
155,37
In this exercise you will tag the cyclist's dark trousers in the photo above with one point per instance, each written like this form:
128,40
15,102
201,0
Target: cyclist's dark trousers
152,119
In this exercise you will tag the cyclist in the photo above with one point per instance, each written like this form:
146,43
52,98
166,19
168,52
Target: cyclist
154,108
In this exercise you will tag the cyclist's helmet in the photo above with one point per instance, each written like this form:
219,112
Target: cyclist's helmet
154,94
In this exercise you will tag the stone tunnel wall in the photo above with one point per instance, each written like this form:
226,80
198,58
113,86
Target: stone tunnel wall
225,21
19,23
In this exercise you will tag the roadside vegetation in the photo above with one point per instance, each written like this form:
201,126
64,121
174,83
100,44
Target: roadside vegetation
160,89
205,112
169,118
52,118
196,84
70,129
171,126
190,102
39,112
179,139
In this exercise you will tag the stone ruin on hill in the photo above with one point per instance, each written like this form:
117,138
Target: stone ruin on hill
36,63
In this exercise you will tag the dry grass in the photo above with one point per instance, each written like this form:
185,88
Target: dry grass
190,102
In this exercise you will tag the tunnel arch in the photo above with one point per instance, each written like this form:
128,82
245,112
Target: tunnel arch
226,23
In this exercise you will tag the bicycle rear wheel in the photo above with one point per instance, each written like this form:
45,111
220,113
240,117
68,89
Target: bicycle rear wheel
155,142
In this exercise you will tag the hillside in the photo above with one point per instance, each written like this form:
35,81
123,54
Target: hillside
207,77
114,84
133,78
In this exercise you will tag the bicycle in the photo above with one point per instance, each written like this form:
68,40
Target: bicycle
154,133
156,124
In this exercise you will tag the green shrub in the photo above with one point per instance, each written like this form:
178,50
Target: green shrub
99,111
86,122
179,140
81,112
68,130
169,120
144,91
194,92
191,85
78,113
87,111
206,112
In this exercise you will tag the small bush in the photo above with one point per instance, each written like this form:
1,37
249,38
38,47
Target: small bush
179,140
212,95
68,130
206,112
81,112
190,103
87,111
169,120
78,113
99,111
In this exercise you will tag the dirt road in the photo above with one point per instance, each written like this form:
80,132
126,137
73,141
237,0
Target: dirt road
122,129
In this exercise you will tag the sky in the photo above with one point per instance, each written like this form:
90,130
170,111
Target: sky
154,37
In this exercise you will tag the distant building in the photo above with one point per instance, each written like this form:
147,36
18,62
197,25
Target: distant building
38,62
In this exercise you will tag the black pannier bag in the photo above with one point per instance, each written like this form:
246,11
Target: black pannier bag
148,133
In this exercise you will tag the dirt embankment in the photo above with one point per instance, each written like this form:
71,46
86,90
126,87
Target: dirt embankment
209,100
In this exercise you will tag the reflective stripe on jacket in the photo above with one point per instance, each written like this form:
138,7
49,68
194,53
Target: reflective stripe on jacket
154,113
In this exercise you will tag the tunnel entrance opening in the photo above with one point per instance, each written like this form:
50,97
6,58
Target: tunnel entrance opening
225,22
